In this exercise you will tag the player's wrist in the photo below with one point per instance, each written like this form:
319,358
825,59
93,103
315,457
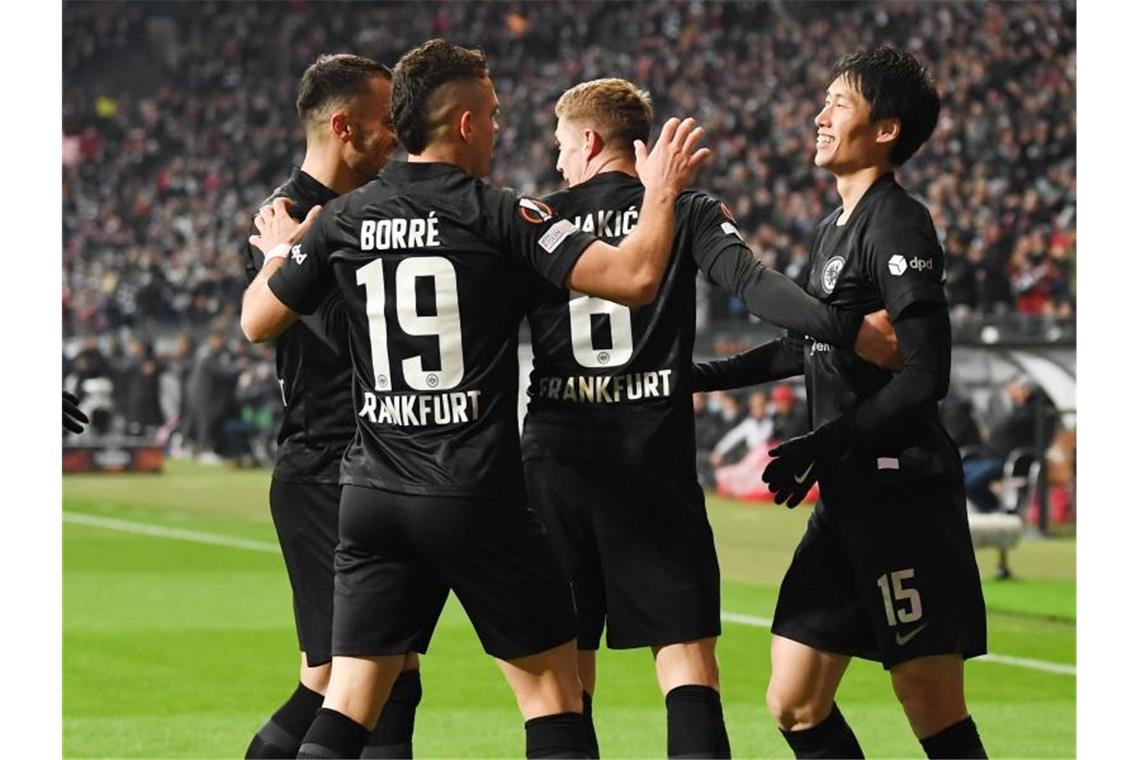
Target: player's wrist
279,251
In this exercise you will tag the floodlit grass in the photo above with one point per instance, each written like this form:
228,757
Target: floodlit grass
174,648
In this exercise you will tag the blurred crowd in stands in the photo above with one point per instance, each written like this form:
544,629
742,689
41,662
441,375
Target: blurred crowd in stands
178,119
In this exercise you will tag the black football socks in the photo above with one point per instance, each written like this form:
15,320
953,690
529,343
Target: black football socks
392,737
281,734
832,738
333,734
958,740
695,723
588,731
558,735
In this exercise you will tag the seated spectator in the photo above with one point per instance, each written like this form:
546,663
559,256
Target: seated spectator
1016,426
789,414
749,434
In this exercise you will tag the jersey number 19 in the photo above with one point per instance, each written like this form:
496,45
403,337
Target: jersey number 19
444,324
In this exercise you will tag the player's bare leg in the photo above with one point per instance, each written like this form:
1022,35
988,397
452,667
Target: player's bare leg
690,680
933,696
315,678
549,696
588,675
801,697
392,736
358,688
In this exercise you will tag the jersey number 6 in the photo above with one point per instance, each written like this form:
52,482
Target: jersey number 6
582,310
444,324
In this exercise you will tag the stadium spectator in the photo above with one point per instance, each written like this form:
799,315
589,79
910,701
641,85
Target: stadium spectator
789,414
1025,417
749,434
211,388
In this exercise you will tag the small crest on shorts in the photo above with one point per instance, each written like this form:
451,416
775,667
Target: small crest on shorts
831,272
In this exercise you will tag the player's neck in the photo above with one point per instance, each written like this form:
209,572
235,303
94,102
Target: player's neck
853,185
446,153
612,164
326,167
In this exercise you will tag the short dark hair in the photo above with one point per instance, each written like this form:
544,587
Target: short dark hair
418,74
898,86
334,78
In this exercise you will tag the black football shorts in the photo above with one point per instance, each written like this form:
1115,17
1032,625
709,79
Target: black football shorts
305,516
886,575
637,544
400,554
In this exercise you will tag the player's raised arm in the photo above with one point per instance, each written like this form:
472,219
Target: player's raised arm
775,360
631,272
263,315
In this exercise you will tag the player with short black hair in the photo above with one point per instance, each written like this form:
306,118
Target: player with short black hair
885,570
608,441
344,106
430,260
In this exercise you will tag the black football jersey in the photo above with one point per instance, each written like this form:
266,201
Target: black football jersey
430,263
312,367
610,383
887,254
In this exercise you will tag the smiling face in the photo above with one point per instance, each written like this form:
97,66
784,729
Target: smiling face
846,138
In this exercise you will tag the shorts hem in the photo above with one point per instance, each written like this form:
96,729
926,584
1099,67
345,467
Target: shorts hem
527,650
663,640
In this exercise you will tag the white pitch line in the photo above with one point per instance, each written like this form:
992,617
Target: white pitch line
195,536
178,534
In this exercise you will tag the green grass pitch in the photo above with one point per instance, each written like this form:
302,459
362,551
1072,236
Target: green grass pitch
178,642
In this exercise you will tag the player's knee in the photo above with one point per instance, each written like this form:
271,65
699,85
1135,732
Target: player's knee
794,712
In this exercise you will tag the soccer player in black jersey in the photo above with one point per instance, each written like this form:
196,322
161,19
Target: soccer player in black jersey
430,260
885,570
608,441
344,104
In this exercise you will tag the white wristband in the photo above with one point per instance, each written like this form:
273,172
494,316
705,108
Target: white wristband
279,251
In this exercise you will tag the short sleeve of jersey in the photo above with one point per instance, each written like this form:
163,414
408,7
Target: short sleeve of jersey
538,238
715,231
906,260
303,281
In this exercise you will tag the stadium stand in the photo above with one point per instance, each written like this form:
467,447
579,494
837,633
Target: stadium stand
178,118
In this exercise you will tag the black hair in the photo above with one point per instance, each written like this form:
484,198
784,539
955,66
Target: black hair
333,78
418,74
896,85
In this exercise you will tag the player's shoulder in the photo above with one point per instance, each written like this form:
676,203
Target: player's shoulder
897,207
696,204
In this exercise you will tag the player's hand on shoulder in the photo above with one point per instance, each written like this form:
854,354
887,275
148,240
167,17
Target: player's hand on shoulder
797,462
73,417
675,158
275,227
877,341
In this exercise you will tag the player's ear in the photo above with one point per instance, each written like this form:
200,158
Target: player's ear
593,142
340,126
888,130
465,126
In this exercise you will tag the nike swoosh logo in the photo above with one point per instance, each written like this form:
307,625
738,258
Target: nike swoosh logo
902,641
801,478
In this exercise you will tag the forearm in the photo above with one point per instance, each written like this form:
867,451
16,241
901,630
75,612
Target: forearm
774,360
631,272
773,297
263,316
924,341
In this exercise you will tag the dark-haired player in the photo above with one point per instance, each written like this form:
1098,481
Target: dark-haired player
344,105
608,442
429,260
885,570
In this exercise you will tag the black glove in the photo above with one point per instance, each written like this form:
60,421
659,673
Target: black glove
73,418
796,463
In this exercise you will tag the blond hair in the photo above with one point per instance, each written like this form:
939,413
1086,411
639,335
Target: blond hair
616,108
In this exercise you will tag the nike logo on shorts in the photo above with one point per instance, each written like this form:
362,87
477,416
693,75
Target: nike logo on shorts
902,640
801,478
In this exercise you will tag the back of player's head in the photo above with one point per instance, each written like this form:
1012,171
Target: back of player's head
418,76
896,85
616,108
332,81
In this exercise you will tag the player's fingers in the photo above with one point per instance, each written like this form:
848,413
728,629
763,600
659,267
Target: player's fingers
683,130
691,141
639,151
261,222
70,397
667,131
77,413
281,205
699,157
74,427
311,217
255,241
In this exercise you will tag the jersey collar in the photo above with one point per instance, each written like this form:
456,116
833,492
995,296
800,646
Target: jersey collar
418,169
310,188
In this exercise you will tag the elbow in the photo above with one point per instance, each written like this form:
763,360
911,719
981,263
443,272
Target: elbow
253,332
642,291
